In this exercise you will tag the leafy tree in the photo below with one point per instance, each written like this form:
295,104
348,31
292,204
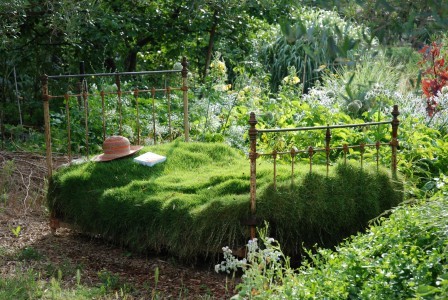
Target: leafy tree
394,21
52,36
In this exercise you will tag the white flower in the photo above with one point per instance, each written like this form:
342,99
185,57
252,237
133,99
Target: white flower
270,240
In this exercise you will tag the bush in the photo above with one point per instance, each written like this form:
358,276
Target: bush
352,87
315,40
402,257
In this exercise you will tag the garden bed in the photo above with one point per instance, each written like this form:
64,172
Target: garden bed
196,201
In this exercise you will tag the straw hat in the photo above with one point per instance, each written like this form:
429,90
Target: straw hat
115,147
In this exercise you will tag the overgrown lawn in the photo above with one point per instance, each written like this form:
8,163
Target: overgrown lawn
196,201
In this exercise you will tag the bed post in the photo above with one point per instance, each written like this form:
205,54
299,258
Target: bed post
253,172
394,141
46,104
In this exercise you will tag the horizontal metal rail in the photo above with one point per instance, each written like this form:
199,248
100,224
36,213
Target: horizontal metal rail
115,93
113,74
324,149
323,127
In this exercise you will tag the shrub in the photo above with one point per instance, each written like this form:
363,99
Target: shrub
351,87
314,40
402,257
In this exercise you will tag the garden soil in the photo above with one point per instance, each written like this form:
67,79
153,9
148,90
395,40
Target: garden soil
26,242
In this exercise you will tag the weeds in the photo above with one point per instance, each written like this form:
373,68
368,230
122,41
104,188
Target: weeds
28,254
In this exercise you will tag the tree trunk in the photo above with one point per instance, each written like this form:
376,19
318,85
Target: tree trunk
211,43
131,61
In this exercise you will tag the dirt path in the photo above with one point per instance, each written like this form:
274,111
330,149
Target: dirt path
26,242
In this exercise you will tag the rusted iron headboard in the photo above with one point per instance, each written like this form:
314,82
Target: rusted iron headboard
84,94
253,154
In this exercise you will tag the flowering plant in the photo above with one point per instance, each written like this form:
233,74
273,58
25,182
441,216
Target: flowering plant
265,267
435,76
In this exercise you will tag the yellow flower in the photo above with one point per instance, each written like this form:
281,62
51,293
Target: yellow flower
221,66
222,87
295,80
240,95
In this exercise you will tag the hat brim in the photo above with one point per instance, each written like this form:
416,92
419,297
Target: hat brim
109,157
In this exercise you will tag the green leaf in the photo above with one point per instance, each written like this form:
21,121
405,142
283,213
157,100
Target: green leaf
427,290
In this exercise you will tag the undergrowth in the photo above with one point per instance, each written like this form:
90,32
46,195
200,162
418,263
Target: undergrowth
196,201
400,257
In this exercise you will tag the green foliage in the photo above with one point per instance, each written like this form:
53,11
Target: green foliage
264,265
312,41
29,253
5,184
403,256
355,84
16,230
394,21
116,113
205,187
30,285
112,282
415,23
22,137
18,288
424,156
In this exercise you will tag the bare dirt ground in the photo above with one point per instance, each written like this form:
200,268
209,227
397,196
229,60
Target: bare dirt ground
26,242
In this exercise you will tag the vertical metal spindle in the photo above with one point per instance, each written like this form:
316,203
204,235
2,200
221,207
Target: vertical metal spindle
118,83
274,156
377,146
253,170
69,140
79,96
137,115
86,120
310,154
293,153
168,96
327,146
80,83
185,97
103,115
362,149
153,93
345,149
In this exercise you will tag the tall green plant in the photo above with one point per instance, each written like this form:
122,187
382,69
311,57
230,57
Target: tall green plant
314,40
357,89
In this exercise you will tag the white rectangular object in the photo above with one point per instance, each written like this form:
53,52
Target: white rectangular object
149,159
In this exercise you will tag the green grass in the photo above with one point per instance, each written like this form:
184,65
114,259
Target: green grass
194,203
31,284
